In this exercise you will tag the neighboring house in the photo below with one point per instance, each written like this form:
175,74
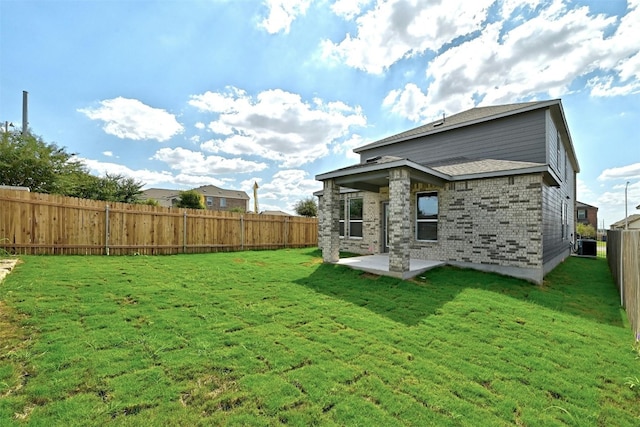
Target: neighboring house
491,188
587,214
166,198
280,213
214,198
632,220
219,199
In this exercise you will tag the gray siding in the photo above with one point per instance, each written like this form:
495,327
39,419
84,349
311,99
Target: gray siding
554,243
520,137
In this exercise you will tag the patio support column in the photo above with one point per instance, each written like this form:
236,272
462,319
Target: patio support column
330,221
400,220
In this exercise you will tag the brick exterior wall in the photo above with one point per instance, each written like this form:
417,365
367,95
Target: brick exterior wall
231,203
592,216
493,221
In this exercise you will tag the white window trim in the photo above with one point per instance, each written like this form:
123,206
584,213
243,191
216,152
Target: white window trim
426,220
348,215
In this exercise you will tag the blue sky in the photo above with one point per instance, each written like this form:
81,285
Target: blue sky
179,94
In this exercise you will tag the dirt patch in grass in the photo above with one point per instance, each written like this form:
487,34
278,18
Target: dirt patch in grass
13,341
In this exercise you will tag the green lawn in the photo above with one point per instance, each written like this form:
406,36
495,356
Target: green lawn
277,337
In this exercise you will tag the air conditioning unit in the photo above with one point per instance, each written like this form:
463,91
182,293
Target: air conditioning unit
587,247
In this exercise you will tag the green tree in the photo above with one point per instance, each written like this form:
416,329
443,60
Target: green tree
28,161
190,199
306,207
586,230
112,188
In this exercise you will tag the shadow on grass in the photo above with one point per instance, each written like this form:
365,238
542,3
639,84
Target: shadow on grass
580,287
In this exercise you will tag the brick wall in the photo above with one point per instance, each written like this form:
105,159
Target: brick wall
495,221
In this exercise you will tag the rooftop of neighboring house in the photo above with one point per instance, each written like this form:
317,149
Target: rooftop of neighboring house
205,190
622,222
580,205
212,190
275,213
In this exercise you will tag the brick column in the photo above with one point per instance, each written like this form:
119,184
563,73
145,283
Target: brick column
330,222
399,220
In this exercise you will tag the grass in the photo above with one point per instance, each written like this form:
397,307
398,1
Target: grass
277,337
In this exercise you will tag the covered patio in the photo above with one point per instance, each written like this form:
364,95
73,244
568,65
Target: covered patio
397,174
379,264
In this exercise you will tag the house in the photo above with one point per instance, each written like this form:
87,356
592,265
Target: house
275,212
633,221
491,188
587,214
219,199
214,198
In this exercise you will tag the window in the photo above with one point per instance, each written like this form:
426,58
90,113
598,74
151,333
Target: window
564,227
342,218
209,201
582,214
223,202
355,218
427,216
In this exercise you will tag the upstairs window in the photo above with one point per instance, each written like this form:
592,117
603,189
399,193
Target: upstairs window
582,214
427,216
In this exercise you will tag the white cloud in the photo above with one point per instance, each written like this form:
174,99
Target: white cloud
145,176
152,178
346,148
276,125
542,55
107,153
631,171
397,29
584,193
195,163
282,13
130,118
349,9
285,188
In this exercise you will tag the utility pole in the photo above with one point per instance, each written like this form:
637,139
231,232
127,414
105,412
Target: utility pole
626,217
25,112
255,197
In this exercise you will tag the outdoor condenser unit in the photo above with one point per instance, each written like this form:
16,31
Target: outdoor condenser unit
587,247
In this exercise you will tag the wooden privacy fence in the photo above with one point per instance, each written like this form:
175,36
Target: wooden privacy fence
33,223
623,256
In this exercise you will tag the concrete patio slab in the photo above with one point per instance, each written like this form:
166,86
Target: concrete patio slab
379,264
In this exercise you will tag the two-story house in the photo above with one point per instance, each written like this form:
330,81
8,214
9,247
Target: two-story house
213,198
587,214
491,188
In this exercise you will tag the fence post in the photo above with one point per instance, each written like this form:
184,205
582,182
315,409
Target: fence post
184,233
106,230
621,271
242,232
286,231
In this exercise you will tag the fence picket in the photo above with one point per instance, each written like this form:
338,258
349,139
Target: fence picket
33,223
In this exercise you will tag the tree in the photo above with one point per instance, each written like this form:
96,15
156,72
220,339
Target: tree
28,161
306,207
585,230
112,188
190,199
